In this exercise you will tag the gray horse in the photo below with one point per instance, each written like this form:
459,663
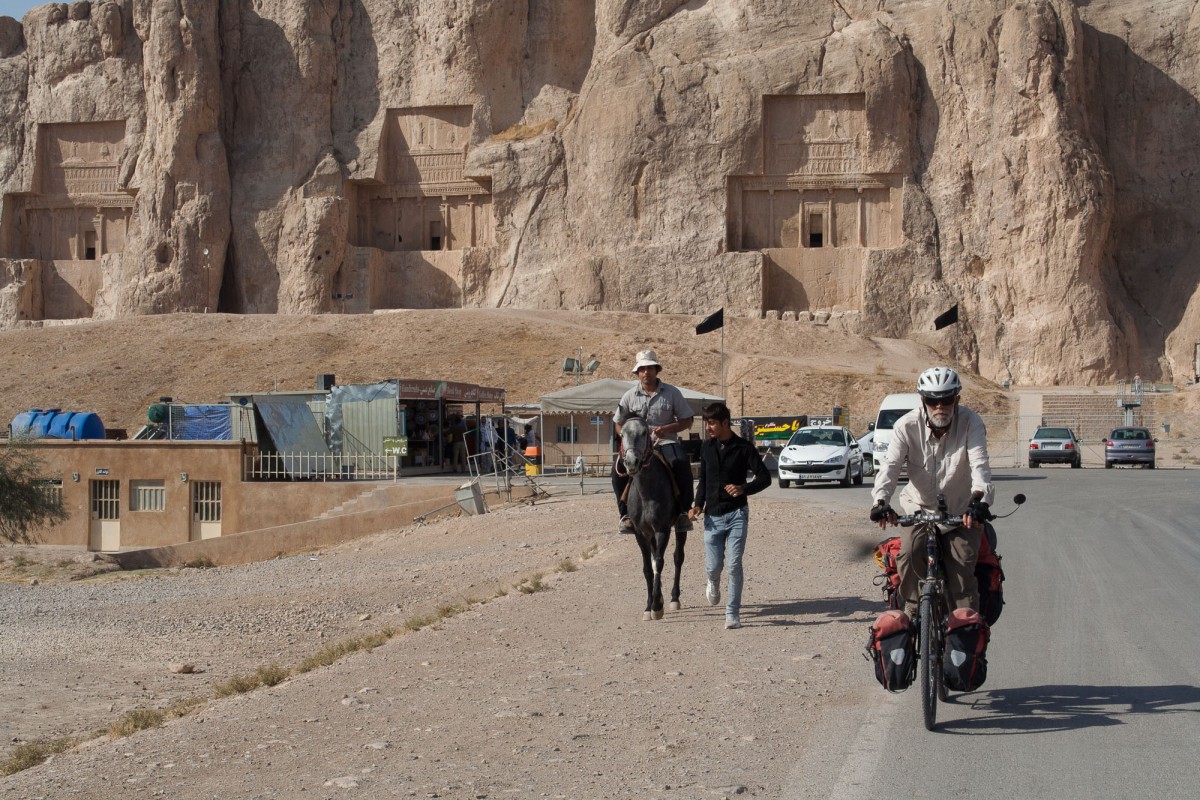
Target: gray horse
653,501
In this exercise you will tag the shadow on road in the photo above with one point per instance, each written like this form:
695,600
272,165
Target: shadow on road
798,612
1045,709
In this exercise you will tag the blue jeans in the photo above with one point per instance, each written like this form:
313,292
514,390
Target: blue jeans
724,543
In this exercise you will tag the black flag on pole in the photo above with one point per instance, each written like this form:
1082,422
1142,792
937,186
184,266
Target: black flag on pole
947,319
712,322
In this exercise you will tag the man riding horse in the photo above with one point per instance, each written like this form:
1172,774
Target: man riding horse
667,413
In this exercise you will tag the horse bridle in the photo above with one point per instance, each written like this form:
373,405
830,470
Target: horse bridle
643,457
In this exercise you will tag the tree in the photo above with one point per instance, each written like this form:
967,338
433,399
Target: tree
25,504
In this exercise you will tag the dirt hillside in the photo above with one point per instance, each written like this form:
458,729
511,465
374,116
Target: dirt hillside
117,368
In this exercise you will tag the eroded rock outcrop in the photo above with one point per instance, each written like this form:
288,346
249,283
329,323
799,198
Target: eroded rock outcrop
877,162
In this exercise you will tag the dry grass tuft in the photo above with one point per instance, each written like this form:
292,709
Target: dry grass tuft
533,584
31,754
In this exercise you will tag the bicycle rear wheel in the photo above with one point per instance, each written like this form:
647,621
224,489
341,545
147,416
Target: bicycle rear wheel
930,672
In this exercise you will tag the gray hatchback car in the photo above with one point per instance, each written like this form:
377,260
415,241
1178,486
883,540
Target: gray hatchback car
1129,446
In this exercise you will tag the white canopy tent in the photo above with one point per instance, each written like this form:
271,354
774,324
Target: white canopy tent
600,398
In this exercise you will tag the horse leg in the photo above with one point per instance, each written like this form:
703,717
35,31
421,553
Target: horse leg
648,572
660,550
680,541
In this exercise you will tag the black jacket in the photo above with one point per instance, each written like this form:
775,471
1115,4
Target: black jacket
723,463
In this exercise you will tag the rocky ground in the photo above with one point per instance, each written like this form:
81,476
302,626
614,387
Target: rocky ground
558,689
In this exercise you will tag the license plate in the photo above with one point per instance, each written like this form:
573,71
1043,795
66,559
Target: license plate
816,477
1052,447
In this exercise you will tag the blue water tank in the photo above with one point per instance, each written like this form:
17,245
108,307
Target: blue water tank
57,424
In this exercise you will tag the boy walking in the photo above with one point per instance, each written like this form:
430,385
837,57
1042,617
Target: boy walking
726,460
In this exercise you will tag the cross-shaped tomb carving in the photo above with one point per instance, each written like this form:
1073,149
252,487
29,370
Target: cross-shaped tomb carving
76,211
422,198
813,210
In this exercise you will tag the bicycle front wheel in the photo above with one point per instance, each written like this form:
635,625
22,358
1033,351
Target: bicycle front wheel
930,674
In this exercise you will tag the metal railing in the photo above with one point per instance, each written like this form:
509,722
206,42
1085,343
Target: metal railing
320,467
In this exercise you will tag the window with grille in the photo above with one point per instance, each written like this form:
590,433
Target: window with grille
206,501
566,433
106,500
147,496
52,491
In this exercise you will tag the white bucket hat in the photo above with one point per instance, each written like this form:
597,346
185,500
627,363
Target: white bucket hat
646,358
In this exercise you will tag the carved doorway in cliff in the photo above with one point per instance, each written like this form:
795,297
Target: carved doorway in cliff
812,208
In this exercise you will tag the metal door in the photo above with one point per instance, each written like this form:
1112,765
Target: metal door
104,531
206,510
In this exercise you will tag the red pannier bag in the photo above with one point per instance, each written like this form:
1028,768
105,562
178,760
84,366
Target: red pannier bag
964,660
990,578
885,556
892,646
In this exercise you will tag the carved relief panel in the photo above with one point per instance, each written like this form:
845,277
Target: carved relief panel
812,198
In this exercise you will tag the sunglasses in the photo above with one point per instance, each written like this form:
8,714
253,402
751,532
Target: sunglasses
934,402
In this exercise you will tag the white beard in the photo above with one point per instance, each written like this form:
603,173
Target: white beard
940,417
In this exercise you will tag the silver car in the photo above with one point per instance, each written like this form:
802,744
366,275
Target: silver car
1129,446
1054,446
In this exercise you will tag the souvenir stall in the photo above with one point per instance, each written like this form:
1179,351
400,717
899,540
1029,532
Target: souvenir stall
426,412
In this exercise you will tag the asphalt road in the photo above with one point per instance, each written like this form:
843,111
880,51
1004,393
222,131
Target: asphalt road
1093,686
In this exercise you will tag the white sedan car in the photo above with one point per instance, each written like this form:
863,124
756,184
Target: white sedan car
821,453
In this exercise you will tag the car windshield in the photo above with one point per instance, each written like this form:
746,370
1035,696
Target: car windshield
807,437
1130,435
1053,433
888,417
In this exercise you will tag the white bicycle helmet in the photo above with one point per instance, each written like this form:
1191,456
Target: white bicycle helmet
938,382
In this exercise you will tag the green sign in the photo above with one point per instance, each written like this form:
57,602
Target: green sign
395,445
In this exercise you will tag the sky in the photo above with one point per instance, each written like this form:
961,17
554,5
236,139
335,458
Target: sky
17,8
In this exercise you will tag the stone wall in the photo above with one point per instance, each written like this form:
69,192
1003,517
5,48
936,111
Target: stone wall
1030,160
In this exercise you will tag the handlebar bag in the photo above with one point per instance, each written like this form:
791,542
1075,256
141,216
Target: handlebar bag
964,661
990,578
892,646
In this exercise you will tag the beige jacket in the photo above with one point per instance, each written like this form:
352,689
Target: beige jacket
955,465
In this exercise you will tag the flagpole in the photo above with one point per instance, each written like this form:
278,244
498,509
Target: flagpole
723,397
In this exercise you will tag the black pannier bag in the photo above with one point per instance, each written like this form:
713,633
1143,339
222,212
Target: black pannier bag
892,646
964,660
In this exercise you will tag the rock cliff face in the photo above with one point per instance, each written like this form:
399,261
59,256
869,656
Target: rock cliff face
878,161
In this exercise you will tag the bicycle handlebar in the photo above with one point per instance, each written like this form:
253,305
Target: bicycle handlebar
910,520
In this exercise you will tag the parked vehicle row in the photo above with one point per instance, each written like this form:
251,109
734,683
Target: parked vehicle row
1127,445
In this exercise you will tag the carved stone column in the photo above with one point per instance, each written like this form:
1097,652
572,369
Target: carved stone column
471,209
98,223
444,210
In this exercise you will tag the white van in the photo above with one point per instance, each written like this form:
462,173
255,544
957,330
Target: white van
893,407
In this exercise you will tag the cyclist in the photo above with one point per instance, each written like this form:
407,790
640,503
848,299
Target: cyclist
944,448
665,410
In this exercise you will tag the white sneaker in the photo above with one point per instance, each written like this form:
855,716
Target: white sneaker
713,593
733,624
